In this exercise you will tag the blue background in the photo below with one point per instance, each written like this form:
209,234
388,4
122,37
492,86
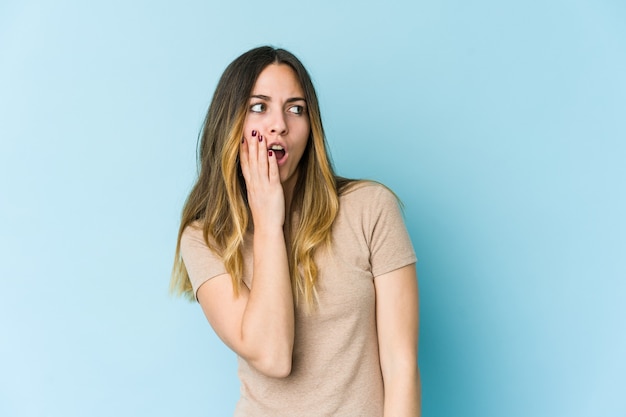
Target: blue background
501,125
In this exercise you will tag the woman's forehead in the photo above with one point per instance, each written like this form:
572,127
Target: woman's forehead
278,80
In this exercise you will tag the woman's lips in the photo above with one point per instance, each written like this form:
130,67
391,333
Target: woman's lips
279,151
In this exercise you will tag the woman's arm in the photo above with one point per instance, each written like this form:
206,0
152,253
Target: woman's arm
259,324
397,320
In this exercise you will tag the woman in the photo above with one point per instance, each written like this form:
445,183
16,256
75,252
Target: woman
309,278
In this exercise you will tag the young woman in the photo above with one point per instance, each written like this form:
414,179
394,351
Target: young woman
309,278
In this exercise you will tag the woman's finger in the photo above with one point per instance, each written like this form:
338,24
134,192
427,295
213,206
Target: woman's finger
262,156
274,174
244,155
253,153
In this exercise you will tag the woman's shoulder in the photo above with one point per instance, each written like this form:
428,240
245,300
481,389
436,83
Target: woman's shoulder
367,198
193,231
193,236
364,190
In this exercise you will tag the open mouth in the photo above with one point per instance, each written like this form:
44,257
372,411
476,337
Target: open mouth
279,151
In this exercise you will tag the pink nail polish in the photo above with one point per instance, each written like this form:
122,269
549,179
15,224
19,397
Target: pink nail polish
254,133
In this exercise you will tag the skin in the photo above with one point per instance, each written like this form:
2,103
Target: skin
397,321
277,111
259,324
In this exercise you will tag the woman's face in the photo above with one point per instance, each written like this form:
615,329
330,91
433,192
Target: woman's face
278,111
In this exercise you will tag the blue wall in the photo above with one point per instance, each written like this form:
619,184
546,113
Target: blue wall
502,126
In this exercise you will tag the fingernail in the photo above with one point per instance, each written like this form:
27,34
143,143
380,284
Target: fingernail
254,133
260,138
270,153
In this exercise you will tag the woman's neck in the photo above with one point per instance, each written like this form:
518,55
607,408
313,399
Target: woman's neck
288,189
288,193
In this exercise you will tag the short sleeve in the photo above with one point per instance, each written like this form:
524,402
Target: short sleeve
390,243
201,263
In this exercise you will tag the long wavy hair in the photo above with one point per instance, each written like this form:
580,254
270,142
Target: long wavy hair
218,200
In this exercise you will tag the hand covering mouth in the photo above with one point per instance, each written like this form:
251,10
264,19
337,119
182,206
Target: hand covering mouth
279,151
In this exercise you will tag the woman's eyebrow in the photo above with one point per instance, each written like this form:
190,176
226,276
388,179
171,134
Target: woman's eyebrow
261,96
268,98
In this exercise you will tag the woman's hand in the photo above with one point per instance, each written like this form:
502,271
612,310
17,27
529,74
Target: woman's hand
259,324
265,192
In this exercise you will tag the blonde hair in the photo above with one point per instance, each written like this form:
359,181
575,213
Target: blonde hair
218,199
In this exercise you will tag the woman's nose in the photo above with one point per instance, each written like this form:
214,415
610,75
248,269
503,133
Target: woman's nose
278,125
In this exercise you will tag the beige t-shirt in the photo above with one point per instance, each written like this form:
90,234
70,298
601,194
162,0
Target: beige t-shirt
336,369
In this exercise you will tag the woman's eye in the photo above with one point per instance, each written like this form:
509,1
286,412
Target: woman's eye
296,109
257,108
